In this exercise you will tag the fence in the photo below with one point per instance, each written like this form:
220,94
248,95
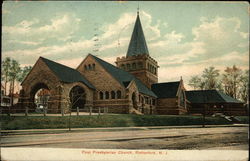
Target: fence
11,111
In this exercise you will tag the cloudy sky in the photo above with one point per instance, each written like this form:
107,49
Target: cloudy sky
184,37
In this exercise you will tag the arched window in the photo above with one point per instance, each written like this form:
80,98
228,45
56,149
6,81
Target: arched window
128,66
142,100
119,94
107,95
146,100
153,102
85,67
133,66
101,95
112,95
93,66
123,67
140,65
89,67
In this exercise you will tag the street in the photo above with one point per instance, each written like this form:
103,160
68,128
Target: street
181,138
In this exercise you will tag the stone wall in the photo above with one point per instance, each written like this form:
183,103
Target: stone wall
104,82
169,106
99,77
65,98
147,72
40,76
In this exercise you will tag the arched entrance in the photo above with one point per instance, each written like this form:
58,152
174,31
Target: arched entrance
134,100
40,95
77,97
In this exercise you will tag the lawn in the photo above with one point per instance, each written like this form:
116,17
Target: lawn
123,120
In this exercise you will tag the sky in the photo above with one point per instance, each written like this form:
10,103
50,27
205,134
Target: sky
184,37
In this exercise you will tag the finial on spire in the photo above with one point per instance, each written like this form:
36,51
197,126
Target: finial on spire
138,9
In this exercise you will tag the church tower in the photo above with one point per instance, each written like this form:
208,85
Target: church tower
138,61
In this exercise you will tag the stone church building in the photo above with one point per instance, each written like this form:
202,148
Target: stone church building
129,87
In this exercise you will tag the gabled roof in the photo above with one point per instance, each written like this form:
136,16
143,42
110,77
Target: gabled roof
137,43
166,90
66,74
124,77
209,96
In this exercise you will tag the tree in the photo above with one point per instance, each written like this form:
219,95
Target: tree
6,64
196,82
24,72
231,81
210,77
13,74
244,86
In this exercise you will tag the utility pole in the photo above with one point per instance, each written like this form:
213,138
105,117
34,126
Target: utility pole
70,116
204,110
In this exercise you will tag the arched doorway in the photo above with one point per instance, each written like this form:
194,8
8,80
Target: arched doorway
134,100
40,95
77,97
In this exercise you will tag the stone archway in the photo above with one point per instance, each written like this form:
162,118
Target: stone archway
40,94
77,97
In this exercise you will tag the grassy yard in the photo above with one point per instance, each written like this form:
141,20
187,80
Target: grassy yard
48,122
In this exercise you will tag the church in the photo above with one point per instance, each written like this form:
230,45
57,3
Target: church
129,87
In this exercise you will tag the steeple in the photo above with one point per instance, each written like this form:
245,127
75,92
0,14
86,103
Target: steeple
138,61
137,45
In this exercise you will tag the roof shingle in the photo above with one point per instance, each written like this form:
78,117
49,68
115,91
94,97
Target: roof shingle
124,77
209,96
166,90
137,43
66,74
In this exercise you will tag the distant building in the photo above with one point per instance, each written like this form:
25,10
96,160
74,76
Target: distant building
5,100
42,97
129,87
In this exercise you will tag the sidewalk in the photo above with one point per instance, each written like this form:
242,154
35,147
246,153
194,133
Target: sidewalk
44,131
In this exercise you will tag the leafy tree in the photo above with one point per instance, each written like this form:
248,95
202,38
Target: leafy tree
196,82
13,74
24,72
244,86
6,65
210,77
231,81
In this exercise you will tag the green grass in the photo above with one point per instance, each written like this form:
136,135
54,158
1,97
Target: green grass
50,122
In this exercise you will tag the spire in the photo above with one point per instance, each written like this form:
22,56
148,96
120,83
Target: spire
137,43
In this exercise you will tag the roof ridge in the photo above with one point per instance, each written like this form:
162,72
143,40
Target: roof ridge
65,73
112,65
201,90
167,82
57,63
